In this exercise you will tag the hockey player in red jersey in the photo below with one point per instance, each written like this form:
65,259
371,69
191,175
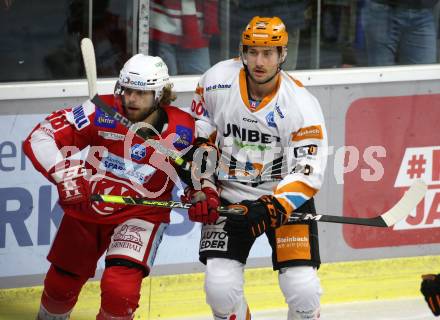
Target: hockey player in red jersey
120,163
271,135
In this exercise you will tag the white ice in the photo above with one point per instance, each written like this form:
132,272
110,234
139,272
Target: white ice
399,309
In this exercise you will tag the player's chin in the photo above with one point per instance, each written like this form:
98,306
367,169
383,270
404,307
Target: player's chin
259,77
261,80
134,116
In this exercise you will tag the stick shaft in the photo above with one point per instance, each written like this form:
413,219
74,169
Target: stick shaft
398,212
88,54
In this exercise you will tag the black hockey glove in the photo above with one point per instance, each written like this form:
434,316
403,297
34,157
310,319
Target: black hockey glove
431,291
257,217
202,156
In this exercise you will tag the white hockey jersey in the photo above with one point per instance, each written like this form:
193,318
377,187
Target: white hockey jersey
278,148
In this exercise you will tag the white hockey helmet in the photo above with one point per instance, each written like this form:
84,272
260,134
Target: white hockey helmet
144,73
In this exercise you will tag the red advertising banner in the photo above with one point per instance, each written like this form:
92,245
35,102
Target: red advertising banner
397,140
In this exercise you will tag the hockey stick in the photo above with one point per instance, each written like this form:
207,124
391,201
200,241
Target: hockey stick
400,210
88,54
152,203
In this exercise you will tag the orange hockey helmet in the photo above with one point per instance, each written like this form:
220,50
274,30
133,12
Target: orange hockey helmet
264,31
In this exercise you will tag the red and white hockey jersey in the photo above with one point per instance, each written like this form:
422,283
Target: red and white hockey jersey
118,162
279,147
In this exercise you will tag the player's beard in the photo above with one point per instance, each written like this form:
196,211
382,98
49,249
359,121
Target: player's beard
138,114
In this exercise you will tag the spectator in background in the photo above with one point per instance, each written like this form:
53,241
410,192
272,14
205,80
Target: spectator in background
292,12
339,31
109,37
8,3
180,31
400,32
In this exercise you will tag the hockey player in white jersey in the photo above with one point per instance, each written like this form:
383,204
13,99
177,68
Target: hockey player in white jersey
272,142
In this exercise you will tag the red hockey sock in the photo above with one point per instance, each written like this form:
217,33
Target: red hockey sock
61,290
120,292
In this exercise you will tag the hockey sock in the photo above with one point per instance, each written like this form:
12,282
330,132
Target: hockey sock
61,290
120,292
241,313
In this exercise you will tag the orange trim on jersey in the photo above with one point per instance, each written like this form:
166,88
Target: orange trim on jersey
311,132
199,92
297,82
286,205
244,92
212,137
297,186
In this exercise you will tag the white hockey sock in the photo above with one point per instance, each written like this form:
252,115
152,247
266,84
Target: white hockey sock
43,314
241,312
304,315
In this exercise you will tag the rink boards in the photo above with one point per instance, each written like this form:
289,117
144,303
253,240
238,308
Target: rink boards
383,133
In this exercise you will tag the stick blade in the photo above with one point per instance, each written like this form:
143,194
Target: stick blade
88,54
406,204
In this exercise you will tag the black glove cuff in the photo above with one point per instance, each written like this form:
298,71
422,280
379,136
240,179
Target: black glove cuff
276,212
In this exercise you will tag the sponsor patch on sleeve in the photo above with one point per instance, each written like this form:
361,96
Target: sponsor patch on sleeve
312,132
306,151
102,119
80,118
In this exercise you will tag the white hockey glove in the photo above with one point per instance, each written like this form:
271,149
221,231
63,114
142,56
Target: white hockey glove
73,188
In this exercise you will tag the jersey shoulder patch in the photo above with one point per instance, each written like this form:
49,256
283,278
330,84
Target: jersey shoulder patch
79,115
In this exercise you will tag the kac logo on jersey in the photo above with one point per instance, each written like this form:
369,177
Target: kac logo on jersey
184,137
138,152
102,119
80,118
270,120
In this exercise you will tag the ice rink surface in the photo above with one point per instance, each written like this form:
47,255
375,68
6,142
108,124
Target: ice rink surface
400,309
